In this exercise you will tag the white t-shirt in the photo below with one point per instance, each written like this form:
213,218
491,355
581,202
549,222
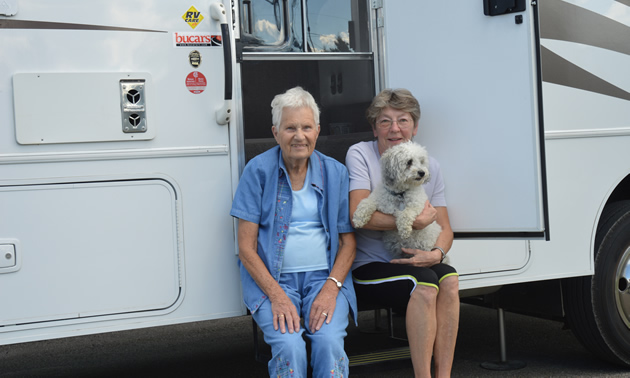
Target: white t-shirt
363,163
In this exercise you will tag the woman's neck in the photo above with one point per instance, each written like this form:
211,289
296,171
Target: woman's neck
297,173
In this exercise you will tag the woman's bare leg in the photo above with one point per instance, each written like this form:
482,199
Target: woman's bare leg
447,326
421,328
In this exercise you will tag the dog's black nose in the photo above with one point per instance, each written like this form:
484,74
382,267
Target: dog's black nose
421,174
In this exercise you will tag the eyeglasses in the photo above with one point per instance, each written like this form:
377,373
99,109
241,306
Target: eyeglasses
403,123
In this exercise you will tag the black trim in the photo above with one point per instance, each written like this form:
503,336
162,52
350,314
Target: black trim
541,124
227,60
503,235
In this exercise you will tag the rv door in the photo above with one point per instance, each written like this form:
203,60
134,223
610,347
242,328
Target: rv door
477,79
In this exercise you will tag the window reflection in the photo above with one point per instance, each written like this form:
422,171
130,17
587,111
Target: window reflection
266,23
331,25
327,25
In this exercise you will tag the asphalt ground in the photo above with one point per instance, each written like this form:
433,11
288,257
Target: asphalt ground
224,348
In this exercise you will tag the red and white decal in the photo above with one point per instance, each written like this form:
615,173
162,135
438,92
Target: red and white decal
191,39
196,82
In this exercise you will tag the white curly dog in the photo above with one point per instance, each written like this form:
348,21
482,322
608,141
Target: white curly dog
404,168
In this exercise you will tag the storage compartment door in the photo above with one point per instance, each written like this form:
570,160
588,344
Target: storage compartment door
88,249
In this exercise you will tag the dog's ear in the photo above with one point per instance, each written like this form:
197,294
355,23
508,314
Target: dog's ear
388,169
388,172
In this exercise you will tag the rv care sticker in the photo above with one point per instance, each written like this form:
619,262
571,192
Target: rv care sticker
192,17
191,39
194,58
196,82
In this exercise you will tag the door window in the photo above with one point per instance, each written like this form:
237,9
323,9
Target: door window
330,25
335,65
270,24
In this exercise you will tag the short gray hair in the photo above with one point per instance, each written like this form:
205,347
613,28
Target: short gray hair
293,98
399,99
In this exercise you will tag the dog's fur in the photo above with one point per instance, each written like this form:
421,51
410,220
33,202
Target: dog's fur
404,168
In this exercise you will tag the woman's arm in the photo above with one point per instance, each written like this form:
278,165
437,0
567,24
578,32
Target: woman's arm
326,300
386,222
280,302
444,241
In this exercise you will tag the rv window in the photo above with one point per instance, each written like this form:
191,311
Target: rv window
271,25
330,25
336,26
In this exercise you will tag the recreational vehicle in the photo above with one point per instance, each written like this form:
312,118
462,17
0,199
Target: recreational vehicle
124,127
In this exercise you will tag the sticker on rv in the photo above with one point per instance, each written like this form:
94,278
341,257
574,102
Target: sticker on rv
192,17
194,58
191,39
196,82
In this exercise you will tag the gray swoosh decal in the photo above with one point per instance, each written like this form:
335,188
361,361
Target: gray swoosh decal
26,24
567,22
558,70
562,21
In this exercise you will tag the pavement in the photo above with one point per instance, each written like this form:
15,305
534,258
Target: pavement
224,348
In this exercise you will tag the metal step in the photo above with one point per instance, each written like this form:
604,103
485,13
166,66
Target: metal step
394,354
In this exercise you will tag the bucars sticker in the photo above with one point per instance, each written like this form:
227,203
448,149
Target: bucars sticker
193,39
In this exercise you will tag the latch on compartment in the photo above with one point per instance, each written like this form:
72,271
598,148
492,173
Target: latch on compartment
9,258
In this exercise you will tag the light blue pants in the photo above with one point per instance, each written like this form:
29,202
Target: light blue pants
328,357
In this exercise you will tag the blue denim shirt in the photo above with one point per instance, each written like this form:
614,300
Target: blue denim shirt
264,197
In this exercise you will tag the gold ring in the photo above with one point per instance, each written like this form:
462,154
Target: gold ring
280,315
325,314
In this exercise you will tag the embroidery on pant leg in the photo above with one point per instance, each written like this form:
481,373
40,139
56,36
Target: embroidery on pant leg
283,368
339,369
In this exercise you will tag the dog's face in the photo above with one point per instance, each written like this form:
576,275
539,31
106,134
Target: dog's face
405,166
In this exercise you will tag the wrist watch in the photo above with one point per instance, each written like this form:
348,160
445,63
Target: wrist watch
339,284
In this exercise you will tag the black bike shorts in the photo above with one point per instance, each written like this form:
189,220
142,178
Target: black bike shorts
390,285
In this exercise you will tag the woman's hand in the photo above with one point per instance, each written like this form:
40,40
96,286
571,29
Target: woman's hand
285,315
420,257
426,217
323,306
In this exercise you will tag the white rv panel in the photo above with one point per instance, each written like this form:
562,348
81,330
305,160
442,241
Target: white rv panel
80,107
152,243
490,256
89,249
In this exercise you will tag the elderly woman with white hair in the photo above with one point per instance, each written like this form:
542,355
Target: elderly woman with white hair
296,243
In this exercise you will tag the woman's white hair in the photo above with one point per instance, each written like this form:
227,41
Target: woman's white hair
293,98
